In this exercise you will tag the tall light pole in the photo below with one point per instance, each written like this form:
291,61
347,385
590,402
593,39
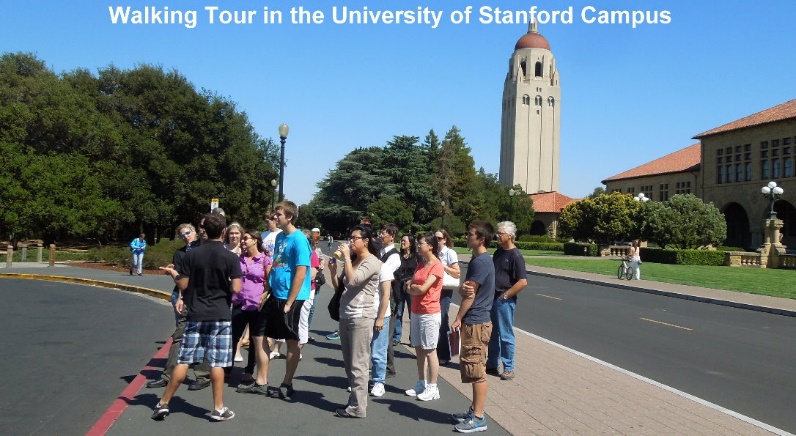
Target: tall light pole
283,131
273,194
443,213
512,193
772,191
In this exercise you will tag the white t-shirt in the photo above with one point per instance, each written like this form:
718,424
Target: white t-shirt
269,241
387,273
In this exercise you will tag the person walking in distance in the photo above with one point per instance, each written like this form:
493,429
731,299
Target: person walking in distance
635,258
137,247
510,279
477,294
211,275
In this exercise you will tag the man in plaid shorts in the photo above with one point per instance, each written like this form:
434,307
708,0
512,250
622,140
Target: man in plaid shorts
211,275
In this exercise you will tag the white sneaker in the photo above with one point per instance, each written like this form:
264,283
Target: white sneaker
378,390
430,393
420,386
274,355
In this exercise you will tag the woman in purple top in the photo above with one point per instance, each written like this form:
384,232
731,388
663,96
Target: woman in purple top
255,266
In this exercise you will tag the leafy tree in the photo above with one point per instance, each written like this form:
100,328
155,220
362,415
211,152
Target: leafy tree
598,191
154,148
390,210
684,221
606,218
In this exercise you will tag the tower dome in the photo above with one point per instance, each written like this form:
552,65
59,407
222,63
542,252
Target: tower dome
532,39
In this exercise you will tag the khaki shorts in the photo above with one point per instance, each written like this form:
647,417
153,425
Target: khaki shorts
475,342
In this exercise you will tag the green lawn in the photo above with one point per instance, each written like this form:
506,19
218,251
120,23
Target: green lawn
774,282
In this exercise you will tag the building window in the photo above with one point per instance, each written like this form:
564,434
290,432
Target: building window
737,148
526,100
730,174
764,154
748,171
538,100
775,170
775,142
747,147
764,145
765,169
786,141
788,164
663,195
551,101
720,174
538,69
522,65
631,190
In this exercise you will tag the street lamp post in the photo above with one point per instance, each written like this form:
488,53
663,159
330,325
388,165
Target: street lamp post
641,197
443,213
772,191
512,193
283,131
273,194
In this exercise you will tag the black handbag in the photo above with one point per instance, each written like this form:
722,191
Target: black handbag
320,280
334,303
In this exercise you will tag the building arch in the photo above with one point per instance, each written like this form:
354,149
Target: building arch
787,213
739,233
538,228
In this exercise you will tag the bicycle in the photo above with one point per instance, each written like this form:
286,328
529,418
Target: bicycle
625,270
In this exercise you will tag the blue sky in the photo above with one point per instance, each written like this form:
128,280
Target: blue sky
629,95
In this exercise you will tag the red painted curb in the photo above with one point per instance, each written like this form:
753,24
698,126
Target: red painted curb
116,409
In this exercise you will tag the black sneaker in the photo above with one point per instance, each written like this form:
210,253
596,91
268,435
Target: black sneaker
161,410
254,388
159,383
284,391
492,371
222,415
198,385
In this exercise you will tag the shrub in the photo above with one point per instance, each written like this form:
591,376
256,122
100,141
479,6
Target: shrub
544,246
683,257
577,249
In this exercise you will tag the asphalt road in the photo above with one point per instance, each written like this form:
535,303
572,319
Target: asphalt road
739,359
69,350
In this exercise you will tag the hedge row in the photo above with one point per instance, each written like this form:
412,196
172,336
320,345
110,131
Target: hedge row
683,257
581,249
544,246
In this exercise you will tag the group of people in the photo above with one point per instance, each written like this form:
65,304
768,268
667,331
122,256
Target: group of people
425,281
264,283
219,293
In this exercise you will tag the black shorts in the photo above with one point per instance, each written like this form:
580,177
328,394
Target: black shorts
278,324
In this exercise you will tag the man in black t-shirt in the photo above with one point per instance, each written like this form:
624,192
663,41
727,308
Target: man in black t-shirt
211,274
510,279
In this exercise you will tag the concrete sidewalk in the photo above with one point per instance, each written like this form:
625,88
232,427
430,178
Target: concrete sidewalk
558,390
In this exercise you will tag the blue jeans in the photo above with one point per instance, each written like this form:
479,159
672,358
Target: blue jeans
398,316
378,352
138,261
443,346
501,344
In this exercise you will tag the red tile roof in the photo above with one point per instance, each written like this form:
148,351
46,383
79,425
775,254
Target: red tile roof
777,113
550,202
687,159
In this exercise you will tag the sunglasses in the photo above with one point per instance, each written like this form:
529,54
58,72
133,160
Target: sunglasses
185,234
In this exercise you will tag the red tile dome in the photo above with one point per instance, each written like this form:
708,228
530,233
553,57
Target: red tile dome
532,39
